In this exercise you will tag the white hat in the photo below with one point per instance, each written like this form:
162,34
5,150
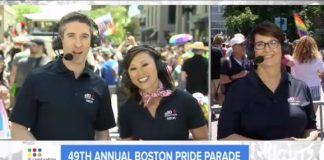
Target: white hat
236,40
239,35
21,39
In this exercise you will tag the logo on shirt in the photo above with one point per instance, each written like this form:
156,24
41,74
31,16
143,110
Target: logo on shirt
171,114
294,101
89,98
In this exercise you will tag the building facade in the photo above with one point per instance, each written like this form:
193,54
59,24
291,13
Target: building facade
159,23
217,20
7,18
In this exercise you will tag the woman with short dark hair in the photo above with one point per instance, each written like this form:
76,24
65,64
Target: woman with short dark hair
268,103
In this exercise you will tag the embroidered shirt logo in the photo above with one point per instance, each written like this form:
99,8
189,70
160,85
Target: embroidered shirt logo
294,101
171,114
88,98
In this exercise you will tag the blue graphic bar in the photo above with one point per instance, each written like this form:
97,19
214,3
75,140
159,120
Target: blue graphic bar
155,152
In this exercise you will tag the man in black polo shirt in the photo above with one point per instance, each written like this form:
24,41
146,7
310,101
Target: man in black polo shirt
65,100
194,70
216,53
236,66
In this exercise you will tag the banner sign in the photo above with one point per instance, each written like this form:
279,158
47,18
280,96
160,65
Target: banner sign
155,152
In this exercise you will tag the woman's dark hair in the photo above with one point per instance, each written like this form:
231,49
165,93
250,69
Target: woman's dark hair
267,29
163,74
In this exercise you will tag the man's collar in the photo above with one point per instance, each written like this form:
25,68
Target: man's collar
63,69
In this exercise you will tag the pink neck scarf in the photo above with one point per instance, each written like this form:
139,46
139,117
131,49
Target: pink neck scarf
160,92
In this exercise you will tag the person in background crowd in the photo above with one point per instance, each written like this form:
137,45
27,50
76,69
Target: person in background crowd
16,58
176,74
4,87
268,103
156,110
216,54
235,66
109,70
65,100
12,31
4,103
169,57
24,65
195,70
7,44
228,45
93,63
308,65
12,74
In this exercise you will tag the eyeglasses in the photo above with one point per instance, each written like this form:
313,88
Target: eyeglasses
271,44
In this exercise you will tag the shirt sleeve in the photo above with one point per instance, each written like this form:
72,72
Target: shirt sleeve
309,109
229,119
124,125
184,67
105,116
25,109
195,116
224,69
320,66
15,60
103,71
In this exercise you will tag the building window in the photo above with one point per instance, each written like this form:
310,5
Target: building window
172,14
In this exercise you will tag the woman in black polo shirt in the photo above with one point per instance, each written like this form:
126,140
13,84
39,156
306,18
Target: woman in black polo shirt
268,103
155,110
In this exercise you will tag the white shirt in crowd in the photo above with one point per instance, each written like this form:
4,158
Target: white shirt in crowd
308,72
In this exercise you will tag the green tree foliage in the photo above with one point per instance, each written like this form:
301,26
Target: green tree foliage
309,14
238,16
312,16
121,20
241,22
24,9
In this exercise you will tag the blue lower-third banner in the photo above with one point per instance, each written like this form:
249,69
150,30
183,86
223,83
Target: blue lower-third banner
155,152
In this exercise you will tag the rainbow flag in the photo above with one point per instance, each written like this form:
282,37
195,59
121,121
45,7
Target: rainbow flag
301,28
106,26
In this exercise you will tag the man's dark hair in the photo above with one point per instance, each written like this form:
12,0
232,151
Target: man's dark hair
74,17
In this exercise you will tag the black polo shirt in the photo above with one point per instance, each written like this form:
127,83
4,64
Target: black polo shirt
252,110
175,115
197,71
56,106
215,62
229,67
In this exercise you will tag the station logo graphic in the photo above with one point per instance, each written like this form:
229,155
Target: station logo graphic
34,153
